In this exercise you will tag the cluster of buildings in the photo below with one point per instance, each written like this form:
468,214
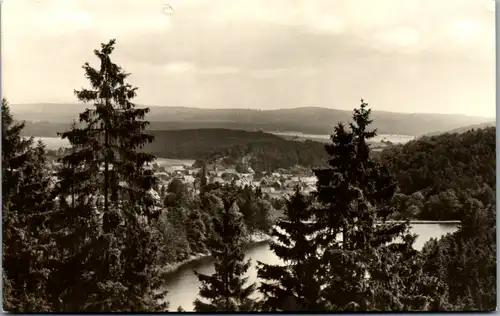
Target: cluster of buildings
275,184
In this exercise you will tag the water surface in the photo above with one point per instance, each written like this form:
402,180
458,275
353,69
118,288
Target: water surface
183,284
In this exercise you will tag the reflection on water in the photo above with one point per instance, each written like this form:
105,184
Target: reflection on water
183,284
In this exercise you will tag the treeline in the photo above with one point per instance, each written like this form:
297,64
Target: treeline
88,235
182,229
373,266
269,156
80,238
92,239
465,128
266,152
452,177
438,174
186,223
465,261
198,143
307,120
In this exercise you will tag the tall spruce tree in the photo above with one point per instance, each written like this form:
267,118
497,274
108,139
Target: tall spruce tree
203,178
109,250
15,154
292,286
362,265
225,290
26,197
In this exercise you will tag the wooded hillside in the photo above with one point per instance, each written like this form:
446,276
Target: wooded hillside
439,173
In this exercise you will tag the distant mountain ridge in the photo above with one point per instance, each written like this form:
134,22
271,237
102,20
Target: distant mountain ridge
308,120
465,128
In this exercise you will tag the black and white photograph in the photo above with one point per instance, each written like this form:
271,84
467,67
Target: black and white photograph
332,156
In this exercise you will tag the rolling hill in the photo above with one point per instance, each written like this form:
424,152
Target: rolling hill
307,120
438,173
465,128
261,151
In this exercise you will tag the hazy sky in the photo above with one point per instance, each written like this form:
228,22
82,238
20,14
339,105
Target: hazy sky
400,55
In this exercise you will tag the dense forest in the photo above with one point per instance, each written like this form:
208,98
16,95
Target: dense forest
88,236
464,129
267,152
187,227
437,174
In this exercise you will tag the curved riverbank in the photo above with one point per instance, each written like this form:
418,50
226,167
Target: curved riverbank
257,238
252,240
183,284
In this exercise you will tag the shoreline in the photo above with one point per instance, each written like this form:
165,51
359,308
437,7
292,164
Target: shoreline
257,238
456,222
251,240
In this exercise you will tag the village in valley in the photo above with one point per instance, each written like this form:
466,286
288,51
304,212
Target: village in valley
275,184
249,156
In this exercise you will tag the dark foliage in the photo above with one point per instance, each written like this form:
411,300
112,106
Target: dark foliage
187,224
293,286
26,199
267,152
106,252
86,236
225,290
465,262
437,174
362,268
256,210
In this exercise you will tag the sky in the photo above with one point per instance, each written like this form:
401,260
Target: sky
433,56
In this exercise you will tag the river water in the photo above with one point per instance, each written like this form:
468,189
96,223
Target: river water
183,284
